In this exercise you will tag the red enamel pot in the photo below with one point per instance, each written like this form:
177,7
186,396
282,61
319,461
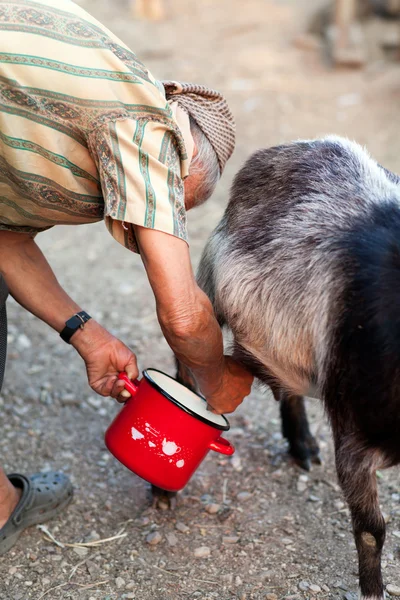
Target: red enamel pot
164,431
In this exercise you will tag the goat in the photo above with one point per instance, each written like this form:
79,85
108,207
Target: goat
304,269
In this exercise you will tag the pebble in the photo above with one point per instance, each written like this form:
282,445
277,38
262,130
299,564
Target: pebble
243,496
202,552
28,583
230,539
236,463
171,539
119,582
313,498
70,400
393,590
154,538
315,588
271,597
396,534
46,581
325,588
12,570
302,483
238,581
23,342
286,541
213,508
303,586
182,527
81,551
350,596
130,585
130,595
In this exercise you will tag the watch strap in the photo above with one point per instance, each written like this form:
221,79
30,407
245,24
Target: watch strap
73,324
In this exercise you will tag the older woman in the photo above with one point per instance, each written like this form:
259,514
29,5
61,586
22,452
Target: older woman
87,133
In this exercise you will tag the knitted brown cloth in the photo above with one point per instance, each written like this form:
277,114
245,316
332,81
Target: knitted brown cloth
210,111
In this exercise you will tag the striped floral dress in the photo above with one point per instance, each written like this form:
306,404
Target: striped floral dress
85,130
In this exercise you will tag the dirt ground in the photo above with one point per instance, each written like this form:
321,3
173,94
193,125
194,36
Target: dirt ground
278,532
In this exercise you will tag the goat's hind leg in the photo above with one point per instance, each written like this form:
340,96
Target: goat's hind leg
356,468
295,428
303,447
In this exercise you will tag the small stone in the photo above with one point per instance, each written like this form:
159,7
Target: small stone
236,463
213,508
92,537
238,581
130,585
119,582
28,583
303,586
94,402
396,534
202,552
70,400
315,588
302,483
325,588
286,541
46,581
81,551
130,595
154,538
350,596
230,539
182,527
228,578
393,590
313,498
171,539
12,570
271,597
243,496
23,342
338,504
93,569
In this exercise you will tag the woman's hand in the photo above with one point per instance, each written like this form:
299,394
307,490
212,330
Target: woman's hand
105,357
236,385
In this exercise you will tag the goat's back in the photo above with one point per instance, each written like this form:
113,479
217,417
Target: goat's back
307,224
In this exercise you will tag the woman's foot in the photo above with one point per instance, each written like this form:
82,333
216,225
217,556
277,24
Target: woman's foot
41,497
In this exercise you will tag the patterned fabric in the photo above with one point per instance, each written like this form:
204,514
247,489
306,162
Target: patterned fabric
210,111
86,132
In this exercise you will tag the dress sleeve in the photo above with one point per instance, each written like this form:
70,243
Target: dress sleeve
140,173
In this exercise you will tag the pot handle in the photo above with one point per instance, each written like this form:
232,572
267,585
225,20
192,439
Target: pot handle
222,446
131,386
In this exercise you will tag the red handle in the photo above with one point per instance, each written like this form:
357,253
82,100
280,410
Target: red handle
131,386
222,446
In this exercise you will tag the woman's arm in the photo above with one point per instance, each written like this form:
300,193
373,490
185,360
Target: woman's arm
34,286
188,322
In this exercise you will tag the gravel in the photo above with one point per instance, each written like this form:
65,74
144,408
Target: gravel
50,418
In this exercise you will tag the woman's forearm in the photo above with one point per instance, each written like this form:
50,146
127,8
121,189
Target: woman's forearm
196,339
185,313
32,282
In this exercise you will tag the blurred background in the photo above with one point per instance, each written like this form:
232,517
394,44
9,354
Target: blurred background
290,69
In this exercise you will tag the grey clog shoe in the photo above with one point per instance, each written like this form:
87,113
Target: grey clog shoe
44,496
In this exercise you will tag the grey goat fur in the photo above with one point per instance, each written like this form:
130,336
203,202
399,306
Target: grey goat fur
304,269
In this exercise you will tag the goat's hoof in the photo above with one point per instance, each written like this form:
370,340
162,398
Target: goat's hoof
306,453
304,464
163,500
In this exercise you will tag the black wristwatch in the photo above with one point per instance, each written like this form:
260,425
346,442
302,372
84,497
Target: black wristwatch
73,324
